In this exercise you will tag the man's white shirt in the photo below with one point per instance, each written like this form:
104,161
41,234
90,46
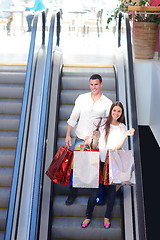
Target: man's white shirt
86,113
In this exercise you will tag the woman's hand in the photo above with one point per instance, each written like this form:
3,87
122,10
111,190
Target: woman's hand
88,140
130,132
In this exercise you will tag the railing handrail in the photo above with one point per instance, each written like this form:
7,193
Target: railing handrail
11,208
134,122
39,170
43,26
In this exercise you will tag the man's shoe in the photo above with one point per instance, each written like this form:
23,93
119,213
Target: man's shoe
70,200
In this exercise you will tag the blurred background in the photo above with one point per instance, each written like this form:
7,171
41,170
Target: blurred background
78,25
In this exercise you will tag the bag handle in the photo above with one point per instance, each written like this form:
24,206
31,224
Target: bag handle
98,125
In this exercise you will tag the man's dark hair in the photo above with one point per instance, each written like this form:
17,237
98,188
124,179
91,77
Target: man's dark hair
96,76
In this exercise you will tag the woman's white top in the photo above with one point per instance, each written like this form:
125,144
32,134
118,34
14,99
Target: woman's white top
115,137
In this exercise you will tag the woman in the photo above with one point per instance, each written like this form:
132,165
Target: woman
113,136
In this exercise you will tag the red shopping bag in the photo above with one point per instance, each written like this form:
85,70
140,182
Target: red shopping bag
59,170
106,171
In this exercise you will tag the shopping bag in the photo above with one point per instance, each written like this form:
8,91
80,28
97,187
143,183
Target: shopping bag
86,169
59,170
96,136
121,167
106,171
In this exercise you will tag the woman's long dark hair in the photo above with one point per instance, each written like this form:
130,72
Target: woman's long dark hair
121,119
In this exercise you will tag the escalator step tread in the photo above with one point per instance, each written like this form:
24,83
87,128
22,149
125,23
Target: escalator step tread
81,82
1,235
79,207
6,177
3,216
10,106
9,122
83,71
69,96
4,197
70,228
7,157
12,77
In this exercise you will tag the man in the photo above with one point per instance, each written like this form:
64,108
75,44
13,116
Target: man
88,108
38,6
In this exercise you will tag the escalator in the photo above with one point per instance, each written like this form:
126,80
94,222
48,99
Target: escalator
12,80
64,221
16,90
67,219
37,207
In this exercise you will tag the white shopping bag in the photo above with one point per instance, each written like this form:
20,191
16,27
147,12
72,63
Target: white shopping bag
86,169
121,167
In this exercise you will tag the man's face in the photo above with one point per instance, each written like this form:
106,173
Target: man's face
95,86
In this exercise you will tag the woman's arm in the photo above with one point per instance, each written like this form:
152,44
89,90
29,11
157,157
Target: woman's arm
128,133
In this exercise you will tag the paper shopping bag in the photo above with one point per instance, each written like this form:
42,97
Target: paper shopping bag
106,171
59,170
121,167
86,169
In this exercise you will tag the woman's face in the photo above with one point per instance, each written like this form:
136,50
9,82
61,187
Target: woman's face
116,112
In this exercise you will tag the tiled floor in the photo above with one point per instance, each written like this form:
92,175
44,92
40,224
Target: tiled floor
76,49
14,49
89,49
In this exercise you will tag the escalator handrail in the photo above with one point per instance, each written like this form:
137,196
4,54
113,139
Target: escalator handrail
43,27
10,213
39,170
119,28
134,122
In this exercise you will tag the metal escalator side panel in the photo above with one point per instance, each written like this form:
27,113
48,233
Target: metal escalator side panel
29,152
11,210
46,209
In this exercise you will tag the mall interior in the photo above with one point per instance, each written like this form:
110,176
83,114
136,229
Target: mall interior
44,67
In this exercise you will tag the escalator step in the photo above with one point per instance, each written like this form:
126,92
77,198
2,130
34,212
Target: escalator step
79,208
3,216
8,139
7,157
4,197
10,106
70,228
6,177
81,82
11,91
9,122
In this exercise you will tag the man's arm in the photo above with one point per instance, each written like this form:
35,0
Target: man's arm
68,136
